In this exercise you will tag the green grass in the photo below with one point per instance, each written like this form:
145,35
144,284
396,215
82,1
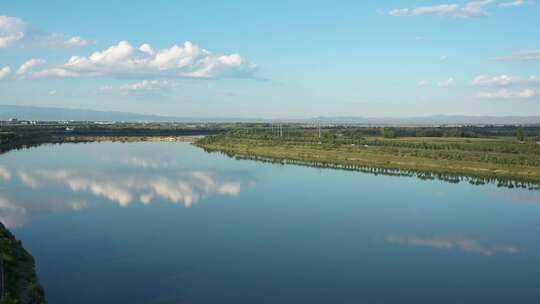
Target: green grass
504,158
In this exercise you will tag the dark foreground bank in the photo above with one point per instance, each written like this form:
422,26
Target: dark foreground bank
19,282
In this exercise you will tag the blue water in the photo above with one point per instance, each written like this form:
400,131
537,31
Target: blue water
169,223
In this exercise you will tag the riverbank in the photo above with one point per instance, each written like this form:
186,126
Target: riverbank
20,283
499,158
16,137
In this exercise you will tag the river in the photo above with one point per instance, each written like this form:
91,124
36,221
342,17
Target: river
166,222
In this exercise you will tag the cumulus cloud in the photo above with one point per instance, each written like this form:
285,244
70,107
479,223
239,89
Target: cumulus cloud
521,56
504,80
125,60
471,9
12,30
25,67
508,94
15,32
453,242
423,83
446,83
5,72
52,92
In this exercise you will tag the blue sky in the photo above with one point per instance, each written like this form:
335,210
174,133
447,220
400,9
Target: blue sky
273,59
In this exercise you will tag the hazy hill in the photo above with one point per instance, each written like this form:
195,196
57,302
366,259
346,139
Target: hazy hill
46,113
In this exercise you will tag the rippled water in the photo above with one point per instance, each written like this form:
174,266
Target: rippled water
169,223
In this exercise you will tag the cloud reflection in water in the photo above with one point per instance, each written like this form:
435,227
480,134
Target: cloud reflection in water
184,187
142,185
460,242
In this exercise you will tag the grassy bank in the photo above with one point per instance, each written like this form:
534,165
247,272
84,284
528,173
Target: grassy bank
497,157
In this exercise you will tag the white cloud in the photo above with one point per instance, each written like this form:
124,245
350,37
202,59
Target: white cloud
145,85
76,41
446,83
513,3
508,94
54,72
504,80
423,83
15,32
471,9
25,67
5,72
52,92
123,59
495,80
521,56
12,30
106,88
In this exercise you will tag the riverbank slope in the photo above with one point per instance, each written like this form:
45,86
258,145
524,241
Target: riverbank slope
20,282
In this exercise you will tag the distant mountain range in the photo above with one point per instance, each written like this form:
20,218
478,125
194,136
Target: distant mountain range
49,113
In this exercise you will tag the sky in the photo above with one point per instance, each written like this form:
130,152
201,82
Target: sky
273,59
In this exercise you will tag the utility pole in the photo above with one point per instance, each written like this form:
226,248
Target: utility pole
319,130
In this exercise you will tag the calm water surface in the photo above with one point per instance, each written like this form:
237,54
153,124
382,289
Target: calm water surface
169,223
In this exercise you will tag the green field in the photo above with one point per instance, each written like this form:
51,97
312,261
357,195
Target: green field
500,157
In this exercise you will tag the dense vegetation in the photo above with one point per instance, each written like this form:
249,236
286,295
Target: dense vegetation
504,152
21,283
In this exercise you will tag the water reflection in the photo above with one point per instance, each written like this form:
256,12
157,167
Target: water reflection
4,173
448,177
184,187
147,163
448,242
520,197
142,184
16,212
